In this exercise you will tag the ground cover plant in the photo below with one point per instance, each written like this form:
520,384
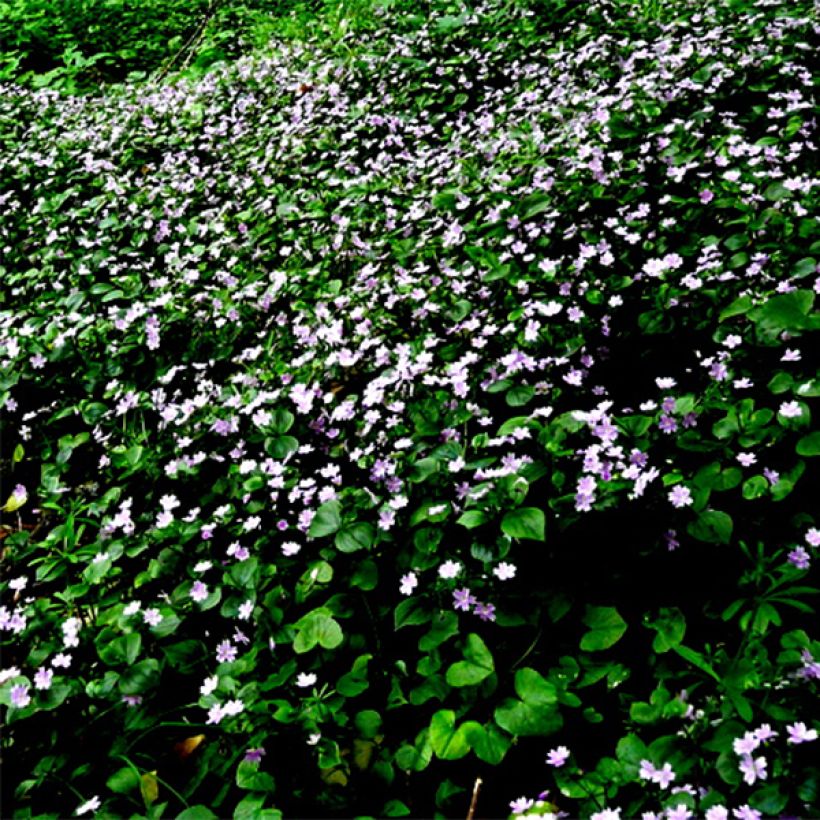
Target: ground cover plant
401,406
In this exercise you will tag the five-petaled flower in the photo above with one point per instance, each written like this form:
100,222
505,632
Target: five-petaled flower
463,599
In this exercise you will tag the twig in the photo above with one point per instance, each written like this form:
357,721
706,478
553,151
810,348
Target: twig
474,800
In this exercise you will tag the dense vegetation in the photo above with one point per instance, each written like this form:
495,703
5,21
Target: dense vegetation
422,398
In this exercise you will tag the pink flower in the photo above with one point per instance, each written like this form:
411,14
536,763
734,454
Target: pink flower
199,591
680,496
798,733
558,757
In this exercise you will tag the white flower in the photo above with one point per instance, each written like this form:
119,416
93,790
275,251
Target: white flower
305,679
233,707
153,617
790,410
504,571
203,566
209,686
449,569
8,674
666,383
132,608
408,583
90,805
290,548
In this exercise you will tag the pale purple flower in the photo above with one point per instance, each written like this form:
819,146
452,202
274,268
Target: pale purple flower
747,744
717,813
254,755
290,548
485,611
798,733
558,757
132,701
772,476
746,812
706,196
680,812
800,558
226,652
813,537
199,591
521,804
151,616
606,814
245,611
753,769
667,424
746,459
19,696
463,600
43,678
664,776
680,496
764,732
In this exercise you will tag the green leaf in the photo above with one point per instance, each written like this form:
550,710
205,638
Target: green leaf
711,526
472,519
519,396
606,628
444,626
488,742
696,659
809,445
317,628
368,722
737,308
525,720
476,666
123,781
755,487
671,628
411,612
787,311
281,421
140,677
327,520
355,537
249,777
631,750
448,743
769,800
197,813
526,522
534,689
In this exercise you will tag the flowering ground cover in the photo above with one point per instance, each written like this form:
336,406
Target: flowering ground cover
414,403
